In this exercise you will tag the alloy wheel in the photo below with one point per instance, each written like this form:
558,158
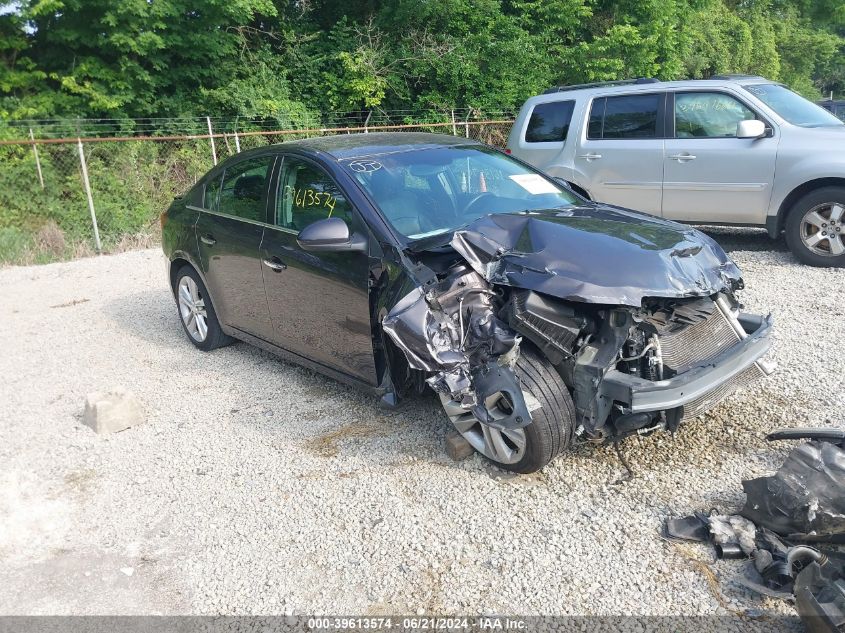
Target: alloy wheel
503,446
823,230
192,309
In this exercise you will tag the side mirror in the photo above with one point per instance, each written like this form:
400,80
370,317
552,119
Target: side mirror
331,234
750,128
563,183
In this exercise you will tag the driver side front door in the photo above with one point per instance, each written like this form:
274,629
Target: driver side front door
319,302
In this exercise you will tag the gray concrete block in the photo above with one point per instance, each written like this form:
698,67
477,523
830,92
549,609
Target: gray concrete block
112,411
457,448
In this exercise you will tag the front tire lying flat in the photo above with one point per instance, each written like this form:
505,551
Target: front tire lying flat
552,426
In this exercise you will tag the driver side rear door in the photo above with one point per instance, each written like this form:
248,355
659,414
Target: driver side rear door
319,302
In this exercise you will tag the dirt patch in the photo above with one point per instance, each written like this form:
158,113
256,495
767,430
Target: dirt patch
326,444
80,480
70,303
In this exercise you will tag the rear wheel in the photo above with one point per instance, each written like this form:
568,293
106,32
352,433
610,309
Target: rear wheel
815,227
552,427
199,320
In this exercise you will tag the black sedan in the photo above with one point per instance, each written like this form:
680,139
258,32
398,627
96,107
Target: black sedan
399,262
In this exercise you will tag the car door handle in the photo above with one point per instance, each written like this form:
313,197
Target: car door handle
590,156
274,263
682,157
208,238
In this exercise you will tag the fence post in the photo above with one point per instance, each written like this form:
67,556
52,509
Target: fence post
454,127
211,138
466,123
37,160
367,121
237,140
88,194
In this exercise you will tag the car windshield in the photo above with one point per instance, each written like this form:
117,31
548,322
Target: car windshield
424,192
793,107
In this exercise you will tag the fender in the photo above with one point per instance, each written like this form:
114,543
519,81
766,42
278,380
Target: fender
792,181
172,270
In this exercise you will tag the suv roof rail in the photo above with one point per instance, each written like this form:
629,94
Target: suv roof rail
600,84
735,77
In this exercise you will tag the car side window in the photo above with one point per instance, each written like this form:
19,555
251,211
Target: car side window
211,193
242,188
708,115
549,122
307,194
626,116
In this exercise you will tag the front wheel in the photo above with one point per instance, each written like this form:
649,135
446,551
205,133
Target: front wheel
552,427
815,227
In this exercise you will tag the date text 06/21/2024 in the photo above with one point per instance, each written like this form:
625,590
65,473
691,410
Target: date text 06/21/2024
421,623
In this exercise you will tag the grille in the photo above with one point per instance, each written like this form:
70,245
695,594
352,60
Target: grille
704,403
698,342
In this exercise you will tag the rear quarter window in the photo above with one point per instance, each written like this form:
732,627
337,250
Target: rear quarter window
549,122
625,116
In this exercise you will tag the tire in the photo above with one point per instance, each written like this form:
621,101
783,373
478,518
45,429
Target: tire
196,312
818,213
552,424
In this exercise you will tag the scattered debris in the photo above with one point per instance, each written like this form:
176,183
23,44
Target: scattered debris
804,502
127,570
112,411
805,499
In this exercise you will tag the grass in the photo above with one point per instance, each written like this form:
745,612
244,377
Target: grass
48,244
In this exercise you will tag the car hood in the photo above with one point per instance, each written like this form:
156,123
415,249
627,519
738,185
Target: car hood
596,254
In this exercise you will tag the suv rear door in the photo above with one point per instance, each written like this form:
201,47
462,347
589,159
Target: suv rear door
619,158
709,174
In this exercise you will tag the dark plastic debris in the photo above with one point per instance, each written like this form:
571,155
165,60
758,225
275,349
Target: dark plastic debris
820,598
729,551
691,528
805,499
804,502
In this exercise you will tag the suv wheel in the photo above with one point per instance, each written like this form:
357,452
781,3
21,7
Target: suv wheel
199,320
552,425
815,227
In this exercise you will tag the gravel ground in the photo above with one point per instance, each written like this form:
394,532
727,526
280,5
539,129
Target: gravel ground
260,487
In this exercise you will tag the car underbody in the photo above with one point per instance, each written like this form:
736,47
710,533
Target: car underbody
663,346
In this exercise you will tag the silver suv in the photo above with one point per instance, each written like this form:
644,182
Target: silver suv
731,150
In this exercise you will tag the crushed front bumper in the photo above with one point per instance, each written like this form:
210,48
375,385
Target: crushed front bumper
703,386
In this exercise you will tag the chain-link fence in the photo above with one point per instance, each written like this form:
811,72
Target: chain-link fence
114,179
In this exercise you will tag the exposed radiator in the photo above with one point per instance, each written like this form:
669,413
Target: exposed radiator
703,341
704,403
698,342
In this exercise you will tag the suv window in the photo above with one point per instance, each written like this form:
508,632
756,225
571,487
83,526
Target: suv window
307,194
549,122
708,115
243,187
627,116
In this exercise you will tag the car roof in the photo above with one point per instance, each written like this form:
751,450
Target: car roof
349,146
640,85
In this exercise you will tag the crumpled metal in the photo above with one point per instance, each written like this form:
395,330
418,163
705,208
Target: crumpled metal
451,329
805,499
598,255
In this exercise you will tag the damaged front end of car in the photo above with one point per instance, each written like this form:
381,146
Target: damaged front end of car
637,315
